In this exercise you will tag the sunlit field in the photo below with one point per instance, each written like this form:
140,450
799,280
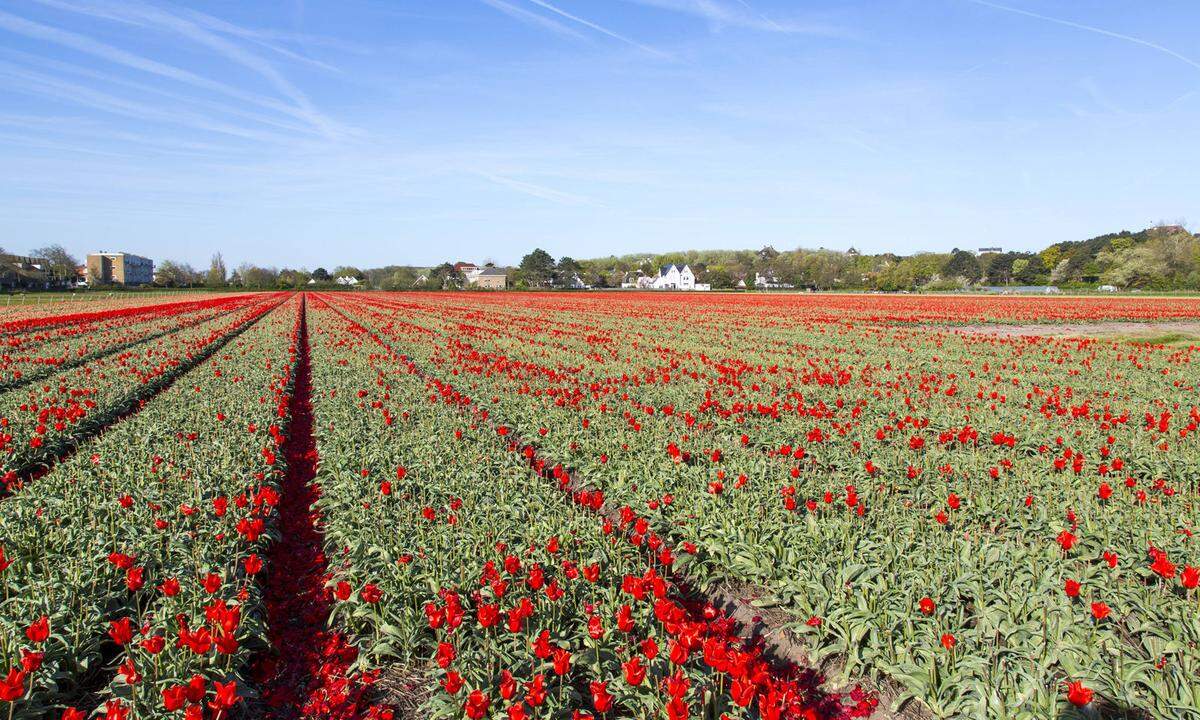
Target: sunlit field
601,505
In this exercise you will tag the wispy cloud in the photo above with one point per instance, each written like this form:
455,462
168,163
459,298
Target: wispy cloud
723,14
244,111
537,191
31,141
531,18
268,38
1088,28
108,53
137,13
41,84
597,27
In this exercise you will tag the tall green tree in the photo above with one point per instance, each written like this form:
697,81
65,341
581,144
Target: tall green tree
537,268
962,264
216,272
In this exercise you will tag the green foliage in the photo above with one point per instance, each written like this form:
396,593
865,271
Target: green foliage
962,264
536,269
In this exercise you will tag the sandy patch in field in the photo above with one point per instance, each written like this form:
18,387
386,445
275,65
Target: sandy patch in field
1126,329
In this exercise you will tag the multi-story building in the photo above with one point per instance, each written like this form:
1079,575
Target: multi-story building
493,278
118,268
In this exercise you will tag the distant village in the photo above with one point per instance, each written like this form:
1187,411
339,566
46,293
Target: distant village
1163,257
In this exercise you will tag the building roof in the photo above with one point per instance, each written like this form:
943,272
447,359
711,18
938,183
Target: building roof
492,271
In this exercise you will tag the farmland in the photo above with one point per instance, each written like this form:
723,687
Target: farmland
449,505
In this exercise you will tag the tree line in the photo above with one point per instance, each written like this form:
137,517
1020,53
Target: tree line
1164,257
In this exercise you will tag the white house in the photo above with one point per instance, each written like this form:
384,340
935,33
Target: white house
673,277
769,282
347,280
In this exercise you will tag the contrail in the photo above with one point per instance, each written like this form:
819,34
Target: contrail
765,19
1089,28
598,28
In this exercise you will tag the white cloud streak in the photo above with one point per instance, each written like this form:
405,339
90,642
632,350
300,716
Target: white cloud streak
538,191
140,14
44,64
597,27
41,84
723,14
1091,29
531,18
117,56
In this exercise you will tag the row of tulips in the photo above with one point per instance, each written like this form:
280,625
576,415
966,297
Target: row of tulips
41,421
497,593
971,518
41,352
129,572
26,318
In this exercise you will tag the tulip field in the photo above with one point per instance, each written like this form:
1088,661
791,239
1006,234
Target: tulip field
599,506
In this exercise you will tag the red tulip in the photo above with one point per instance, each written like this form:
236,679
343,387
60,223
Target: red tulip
635,672
452,683
120,631
225,696
1078,695
508,686
173,698
38,630
12,688
477,704
562,661
602,700
535,691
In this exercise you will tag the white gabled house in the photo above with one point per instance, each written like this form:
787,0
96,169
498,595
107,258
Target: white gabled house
670,277
769,282
674,277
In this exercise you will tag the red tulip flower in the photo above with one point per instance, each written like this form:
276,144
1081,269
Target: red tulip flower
1078,695
38,630
601,699
477,705
634,671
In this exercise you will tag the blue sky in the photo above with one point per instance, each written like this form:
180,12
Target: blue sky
370,132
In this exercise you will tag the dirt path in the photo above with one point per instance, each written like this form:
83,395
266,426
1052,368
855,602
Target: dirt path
1133,330
306,673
